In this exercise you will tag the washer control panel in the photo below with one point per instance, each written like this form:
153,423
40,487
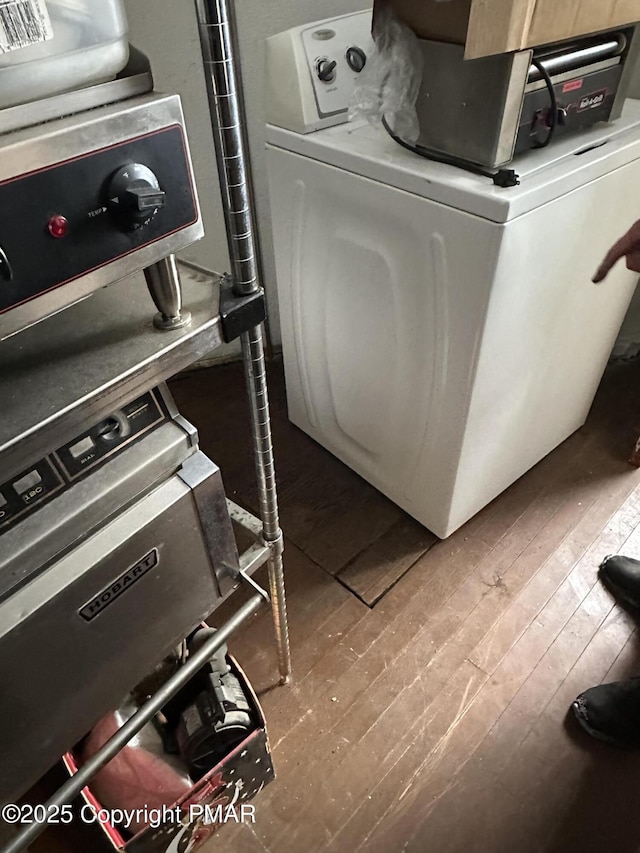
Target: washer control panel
312,71
337,53
64,221
24,494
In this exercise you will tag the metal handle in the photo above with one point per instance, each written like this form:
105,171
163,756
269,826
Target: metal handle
70,790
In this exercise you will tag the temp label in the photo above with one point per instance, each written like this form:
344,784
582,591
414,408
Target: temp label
23,23
94,607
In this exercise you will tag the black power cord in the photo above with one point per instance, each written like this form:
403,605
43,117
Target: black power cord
554,105
501,178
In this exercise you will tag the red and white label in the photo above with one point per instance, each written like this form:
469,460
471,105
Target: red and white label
573,85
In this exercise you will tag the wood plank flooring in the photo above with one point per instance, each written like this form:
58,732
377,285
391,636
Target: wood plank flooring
433,679
429,709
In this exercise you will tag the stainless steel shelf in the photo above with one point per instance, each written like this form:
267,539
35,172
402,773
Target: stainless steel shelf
109,346
135,79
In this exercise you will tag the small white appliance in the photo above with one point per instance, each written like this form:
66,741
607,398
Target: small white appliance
441,335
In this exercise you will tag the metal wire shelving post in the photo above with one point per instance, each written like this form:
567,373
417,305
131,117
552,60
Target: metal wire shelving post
217,35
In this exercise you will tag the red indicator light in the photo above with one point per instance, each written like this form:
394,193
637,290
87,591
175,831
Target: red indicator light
58,226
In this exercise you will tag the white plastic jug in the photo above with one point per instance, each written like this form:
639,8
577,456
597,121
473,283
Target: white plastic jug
53,46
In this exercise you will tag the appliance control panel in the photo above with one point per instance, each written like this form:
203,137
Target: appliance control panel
88,450
64,221
27,491
24,494
312,71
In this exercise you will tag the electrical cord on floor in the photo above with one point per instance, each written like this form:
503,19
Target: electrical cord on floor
501,178
554,104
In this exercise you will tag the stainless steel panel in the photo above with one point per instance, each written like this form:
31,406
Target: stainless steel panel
470,109
208,493
74,369
32,545
513,104
38,147
65,656
47,144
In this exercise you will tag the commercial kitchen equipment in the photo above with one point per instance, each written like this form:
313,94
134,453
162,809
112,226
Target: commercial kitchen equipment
76,381
124,522
103,189
442,335
486,111
470,112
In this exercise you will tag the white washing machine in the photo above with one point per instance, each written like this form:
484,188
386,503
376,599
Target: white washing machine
441,335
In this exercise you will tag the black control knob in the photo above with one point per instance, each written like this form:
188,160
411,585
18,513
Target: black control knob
134,196
326,69
114,428
356,59
109,430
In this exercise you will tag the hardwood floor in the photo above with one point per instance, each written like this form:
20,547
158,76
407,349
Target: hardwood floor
432,681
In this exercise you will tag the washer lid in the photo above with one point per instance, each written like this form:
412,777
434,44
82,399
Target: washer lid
545,174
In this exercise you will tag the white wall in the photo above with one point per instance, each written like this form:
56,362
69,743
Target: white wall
166,31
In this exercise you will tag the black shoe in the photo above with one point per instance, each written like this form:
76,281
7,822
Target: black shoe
611,712
622,576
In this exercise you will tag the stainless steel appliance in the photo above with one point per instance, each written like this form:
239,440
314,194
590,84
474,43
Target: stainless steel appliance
142,529
99,472
113,547
486,111
90,197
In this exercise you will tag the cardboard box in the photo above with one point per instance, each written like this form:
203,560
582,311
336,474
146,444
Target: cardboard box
226,790
441,21
487,27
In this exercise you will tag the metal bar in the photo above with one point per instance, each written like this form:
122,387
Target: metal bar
216,25
191,265
583,56
223,88
256,378
163,281
70,790
257,555
246,520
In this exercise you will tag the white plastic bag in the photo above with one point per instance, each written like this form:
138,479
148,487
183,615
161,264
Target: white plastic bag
388,86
